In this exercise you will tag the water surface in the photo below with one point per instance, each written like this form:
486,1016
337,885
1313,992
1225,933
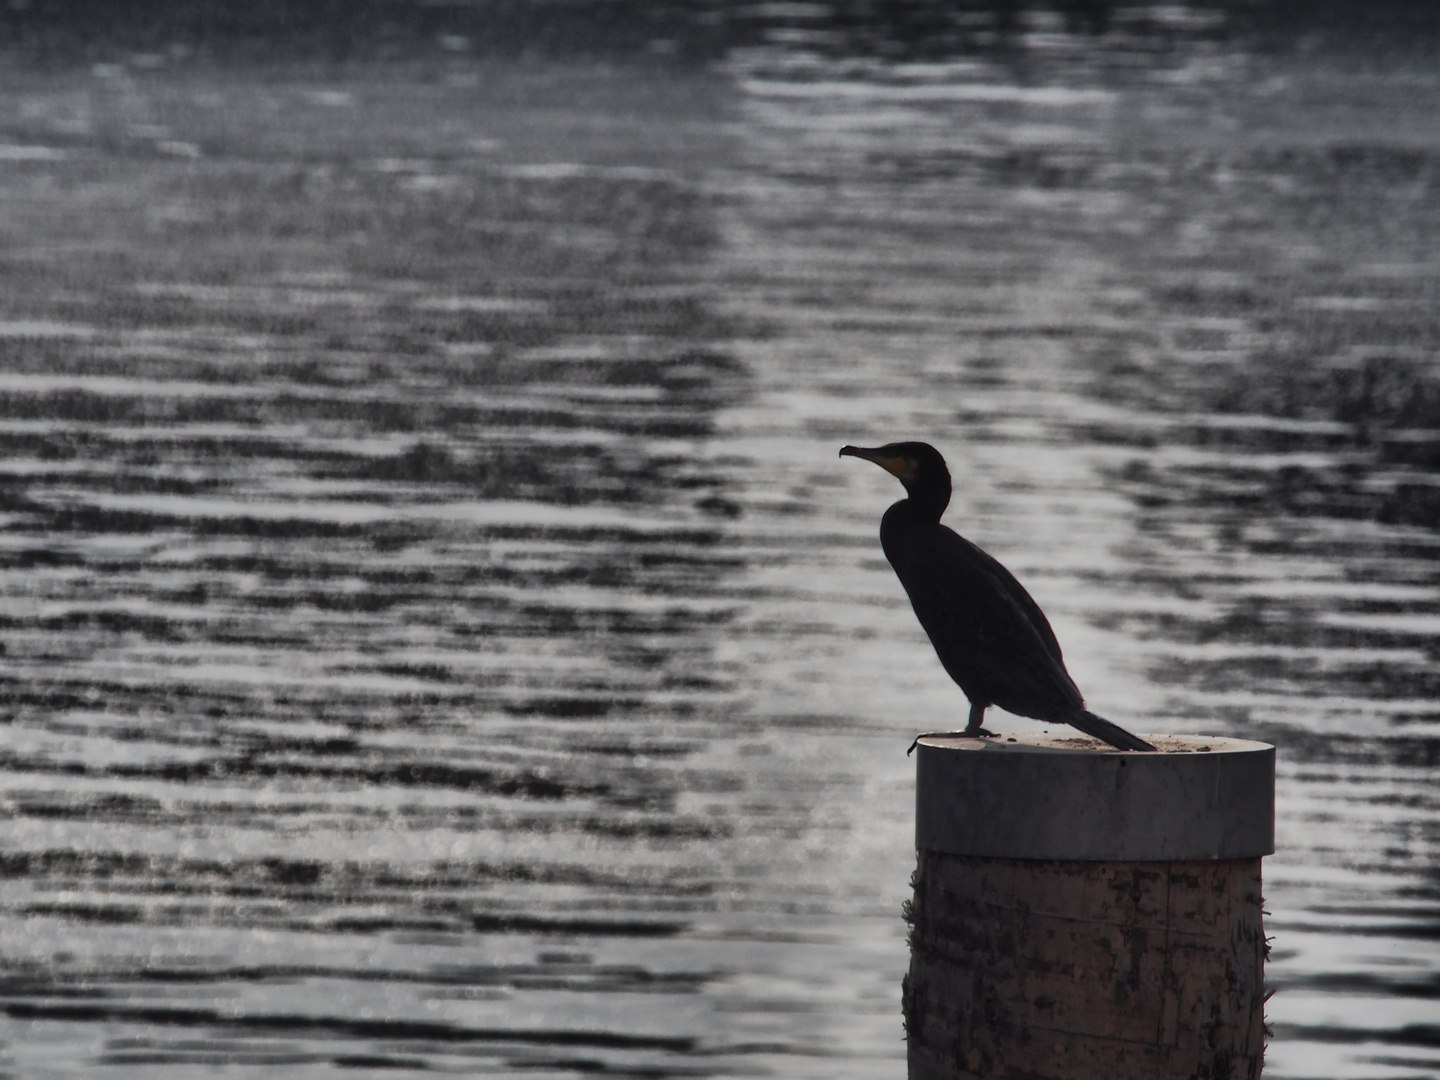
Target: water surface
438,633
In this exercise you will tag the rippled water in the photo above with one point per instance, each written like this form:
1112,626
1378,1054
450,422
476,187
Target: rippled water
438,633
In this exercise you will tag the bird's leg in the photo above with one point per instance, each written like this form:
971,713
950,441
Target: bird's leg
977,717
973,730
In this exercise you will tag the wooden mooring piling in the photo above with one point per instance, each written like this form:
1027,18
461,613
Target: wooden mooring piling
1081,913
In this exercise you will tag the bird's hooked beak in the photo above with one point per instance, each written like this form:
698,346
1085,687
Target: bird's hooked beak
902,466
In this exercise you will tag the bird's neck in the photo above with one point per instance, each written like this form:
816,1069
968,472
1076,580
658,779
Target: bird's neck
926,507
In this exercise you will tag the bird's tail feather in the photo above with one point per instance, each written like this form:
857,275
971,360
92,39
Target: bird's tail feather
1105,731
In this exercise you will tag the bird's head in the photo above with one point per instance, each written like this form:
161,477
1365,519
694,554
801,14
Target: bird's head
917,465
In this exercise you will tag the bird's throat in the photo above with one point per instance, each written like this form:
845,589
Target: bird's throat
927,507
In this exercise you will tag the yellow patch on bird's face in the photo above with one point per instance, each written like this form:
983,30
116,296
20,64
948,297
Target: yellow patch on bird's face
901,466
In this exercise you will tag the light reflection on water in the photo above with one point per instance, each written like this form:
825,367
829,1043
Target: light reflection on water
438,633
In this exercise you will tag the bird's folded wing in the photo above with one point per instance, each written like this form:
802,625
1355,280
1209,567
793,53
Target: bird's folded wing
989,633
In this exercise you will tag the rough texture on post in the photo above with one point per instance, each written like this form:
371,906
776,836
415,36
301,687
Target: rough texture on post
1059,970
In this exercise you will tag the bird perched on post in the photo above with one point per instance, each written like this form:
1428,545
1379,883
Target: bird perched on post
991,637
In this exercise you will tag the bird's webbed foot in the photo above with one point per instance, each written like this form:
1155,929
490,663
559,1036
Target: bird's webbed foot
968,733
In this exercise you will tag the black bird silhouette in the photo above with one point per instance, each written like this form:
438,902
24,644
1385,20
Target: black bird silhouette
990,635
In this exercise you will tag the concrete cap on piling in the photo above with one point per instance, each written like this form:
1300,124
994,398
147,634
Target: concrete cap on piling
1053,796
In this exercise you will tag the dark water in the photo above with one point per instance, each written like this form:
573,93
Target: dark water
438,634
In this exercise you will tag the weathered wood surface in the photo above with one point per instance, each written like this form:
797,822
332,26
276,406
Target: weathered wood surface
1060,970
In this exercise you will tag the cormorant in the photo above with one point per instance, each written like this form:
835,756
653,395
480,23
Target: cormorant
990,635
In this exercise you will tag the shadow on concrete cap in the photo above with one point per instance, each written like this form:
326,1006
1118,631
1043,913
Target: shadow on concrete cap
1073,797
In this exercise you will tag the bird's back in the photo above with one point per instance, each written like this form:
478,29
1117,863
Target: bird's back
990,635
